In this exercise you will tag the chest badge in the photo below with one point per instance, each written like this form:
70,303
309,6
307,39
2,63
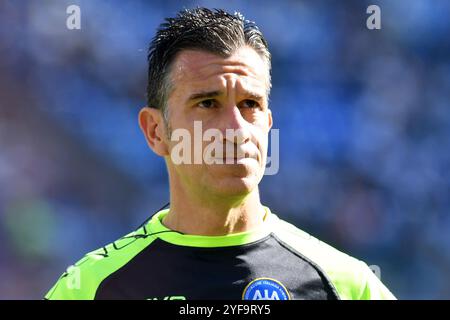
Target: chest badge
265,289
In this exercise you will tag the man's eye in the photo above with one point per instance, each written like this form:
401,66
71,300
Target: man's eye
249,104
207,104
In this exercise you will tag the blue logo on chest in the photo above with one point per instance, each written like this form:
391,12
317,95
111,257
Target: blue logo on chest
265,289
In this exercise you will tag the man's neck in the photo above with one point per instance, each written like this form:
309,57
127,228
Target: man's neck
215,217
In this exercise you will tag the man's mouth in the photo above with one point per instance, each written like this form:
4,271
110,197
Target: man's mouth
236,159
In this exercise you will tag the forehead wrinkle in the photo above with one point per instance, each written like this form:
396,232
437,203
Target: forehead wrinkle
212,70
198,67
225,82
221,74
250,86
194,59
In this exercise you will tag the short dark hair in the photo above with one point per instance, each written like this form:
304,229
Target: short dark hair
215,31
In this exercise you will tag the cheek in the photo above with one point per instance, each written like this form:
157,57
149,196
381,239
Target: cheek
263,145
260,119
261,129
255,118
260,140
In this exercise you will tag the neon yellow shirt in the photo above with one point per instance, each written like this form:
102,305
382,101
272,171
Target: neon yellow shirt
276,261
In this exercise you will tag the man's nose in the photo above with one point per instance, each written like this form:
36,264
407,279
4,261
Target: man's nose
233,120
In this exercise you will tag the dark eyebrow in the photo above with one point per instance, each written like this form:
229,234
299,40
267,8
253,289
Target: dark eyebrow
253,95
213,94
204,95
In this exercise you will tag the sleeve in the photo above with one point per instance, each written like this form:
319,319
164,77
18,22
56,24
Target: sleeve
70,286
371,287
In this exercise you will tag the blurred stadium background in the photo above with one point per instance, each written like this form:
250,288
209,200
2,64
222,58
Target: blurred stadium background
364,121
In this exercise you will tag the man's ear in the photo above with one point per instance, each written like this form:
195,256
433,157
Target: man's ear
269,115
153,128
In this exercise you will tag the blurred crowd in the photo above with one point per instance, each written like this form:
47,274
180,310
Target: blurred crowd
364,119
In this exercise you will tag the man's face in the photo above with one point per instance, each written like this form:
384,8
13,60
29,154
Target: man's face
221,93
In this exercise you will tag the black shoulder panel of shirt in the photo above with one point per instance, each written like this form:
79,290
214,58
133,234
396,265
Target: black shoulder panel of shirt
164,270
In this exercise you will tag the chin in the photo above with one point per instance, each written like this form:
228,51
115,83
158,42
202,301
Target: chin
236,186
233,180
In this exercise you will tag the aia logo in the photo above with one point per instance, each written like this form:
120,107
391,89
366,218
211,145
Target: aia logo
265,289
